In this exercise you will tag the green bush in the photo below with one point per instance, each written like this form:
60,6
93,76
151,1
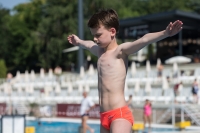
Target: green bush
3,69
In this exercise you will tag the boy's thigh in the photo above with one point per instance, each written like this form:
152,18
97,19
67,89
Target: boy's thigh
121,126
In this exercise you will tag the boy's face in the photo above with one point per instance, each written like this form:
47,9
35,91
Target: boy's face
102,36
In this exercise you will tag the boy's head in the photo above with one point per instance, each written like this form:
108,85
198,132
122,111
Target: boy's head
104,25
106,17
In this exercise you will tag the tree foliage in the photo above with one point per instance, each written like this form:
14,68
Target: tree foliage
35,34
3,69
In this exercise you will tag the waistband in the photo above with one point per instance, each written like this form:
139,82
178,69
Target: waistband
121,108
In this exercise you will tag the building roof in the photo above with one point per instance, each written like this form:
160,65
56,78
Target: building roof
158,21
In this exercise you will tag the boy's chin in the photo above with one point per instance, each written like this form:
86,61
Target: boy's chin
100,45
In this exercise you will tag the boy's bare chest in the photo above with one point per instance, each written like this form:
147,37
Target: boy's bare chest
109,62
106,60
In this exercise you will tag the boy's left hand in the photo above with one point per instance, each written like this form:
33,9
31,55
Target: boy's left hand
174,28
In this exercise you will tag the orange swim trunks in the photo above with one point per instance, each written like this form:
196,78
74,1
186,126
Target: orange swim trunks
109,116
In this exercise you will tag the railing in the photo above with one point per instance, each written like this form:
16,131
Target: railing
185,111
167,112
192,114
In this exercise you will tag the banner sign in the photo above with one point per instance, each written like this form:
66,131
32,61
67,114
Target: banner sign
2,108
73,111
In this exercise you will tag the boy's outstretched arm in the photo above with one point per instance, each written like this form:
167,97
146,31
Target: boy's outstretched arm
89,45
132,47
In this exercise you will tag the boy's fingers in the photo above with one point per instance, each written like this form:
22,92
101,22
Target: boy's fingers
177,24
168,27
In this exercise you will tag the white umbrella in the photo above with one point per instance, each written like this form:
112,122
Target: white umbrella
180,87
88,58
148,67
19,89
91,70
57,88
148,86
139,55
165,84
178,59
26,75
50,73
7,88
42,72
137,86
80,88
31,88
126,86
18,75
133,69
32,74
70,87
158,62
47,89
27,88
82,72
175,67
87,87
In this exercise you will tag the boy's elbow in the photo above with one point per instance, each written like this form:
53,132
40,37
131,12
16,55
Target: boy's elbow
145,40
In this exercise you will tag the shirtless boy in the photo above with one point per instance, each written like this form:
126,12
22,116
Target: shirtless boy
112,66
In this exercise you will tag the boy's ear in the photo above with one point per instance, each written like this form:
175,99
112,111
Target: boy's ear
113,31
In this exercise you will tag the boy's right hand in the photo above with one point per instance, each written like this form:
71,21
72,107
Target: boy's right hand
73,39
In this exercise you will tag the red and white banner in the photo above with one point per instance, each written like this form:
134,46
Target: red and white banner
73,111
2,108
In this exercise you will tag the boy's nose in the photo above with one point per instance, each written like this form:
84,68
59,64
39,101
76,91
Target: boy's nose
95,39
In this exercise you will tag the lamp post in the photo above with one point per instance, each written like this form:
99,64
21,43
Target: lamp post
80,34
180,42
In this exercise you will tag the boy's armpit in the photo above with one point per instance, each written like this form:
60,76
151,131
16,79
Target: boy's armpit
95,50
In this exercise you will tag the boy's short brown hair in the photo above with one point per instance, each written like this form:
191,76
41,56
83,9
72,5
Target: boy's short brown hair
106,17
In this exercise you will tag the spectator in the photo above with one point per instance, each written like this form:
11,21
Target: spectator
86,106
58,70
168,79
9,77
176,90
160,69
195,89
147,113
129,103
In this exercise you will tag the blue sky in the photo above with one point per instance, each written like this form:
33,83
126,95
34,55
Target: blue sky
11,3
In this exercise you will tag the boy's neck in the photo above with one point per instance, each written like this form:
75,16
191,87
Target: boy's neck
111,46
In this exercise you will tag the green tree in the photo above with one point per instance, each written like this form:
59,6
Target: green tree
194,5
17,27
59,18
144,7
3,69
36,32
4,34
